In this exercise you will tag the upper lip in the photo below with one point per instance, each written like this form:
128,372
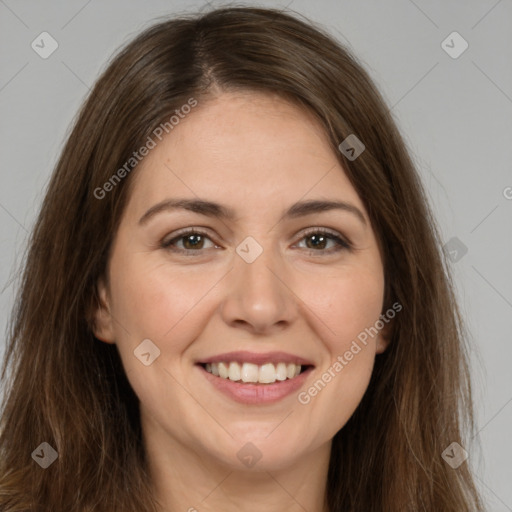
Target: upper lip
259,359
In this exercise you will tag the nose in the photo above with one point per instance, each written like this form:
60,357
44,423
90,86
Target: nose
259,295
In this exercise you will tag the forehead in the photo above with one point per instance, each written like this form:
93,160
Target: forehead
243,148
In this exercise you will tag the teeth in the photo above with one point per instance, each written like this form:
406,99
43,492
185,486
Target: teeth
234,371
223,371
281,371
248,372
267,373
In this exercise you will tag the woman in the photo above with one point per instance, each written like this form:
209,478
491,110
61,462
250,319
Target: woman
234,296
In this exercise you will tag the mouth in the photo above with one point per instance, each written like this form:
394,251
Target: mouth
252,378
250,373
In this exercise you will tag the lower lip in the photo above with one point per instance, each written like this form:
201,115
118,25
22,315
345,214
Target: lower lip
257,393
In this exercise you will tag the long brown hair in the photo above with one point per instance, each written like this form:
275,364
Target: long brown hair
66,388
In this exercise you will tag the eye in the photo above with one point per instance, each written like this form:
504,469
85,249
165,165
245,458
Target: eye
193,241
319,238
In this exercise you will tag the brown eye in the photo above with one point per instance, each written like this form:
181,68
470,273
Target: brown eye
317,241
191,240
194,241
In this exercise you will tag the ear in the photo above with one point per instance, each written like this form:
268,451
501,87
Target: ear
102,321
384,337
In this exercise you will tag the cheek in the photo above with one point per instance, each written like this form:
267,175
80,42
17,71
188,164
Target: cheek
348,304
170,309
153,302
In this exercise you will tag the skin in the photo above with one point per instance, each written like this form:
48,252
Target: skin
258,155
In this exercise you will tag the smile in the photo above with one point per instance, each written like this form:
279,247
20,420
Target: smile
252,373
253,378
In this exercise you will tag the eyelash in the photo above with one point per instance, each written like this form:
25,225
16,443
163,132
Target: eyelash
342,243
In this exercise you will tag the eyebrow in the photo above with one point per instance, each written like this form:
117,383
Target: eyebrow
216,210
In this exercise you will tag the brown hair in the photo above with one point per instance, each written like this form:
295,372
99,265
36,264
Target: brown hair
68,389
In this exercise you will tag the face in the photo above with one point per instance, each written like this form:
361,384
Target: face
245,285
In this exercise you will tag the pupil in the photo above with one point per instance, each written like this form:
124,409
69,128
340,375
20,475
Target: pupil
318,238
191,237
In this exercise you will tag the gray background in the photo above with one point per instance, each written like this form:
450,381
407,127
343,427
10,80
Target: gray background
456,116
